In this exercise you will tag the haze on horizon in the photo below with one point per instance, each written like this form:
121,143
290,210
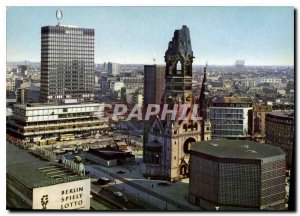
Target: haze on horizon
134,35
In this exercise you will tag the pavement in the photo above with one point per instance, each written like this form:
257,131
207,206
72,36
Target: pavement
172,197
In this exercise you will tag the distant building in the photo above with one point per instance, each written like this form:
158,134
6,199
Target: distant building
22,69
135,81
106,82
229,117
249,82
257,122
29,93
67,63
280,131
135,98
239,63
125,92
12,84
113,68
237,175
35,122
268,79
116,86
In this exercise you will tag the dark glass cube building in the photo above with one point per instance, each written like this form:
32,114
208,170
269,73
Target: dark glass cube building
67,63
237,175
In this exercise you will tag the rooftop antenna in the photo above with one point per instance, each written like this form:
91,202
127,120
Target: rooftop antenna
59,15
154,59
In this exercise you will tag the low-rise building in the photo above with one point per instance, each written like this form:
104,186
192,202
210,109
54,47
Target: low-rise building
280,131
47,121
257,122
32,183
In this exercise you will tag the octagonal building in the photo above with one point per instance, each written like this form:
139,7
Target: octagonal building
237,175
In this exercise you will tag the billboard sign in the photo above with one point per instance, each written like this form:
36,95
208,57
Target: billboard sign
66,196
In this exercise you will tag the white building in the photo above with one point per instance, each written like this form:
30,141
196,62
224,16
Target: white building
43,121
268,79
229,118
135,98
116,86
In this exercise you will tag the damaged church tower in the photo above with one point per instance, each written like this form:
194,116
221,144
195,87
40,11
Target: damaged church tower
169,139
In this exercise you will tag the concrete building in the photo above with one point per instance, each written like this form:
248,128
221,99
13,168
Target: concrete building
239,64
280,131
257,121
36,122
154,84
113,69
67,63
237,175
154,88
135,98
10,85
109,157
22,69
229,117
32,183
268,79
28,93
134,81
106,83
116,86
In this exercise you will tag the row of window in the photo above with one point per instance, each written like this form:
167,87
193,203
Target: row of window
225,111
227,133
236,127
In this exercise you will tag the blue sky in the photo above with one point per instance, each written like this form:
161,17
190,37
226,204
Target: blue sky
219,35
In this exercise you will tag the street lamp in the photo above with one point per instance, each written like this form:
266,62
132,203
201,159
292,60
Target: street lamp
149,190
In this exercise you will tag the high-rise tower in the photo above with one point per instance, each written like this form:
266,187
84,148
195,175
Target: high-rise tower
67,63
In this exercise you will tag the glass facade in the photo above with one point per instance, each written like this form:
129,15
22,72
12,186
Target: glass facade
67,63
229,122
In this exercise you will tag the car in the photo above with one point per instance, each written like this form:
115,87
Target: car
103,181
120,196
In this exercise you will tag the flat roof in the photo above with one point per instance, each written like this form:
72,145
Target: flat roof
237,149
43,105
31,170
232,100
283,113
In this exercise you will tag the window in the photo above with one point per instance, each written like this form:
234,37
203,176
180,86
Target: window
196,126
185,127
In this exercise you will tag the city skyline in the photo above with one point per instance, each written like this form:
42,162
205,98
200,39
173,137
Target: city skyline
221,35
